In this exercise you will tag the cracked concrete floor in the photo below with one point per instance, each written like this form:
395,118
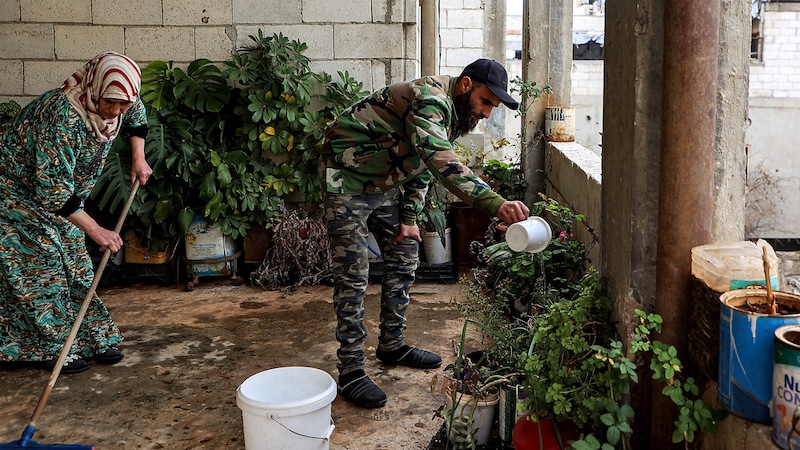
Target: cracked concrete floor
186,353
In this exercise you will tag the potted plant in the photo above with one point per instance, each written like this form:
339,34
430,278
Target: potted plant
432,221
471,387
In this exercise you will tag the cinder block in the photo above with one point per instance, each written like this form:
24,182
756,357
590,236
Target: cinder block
319,38
27,41
115,12
10,77
267,11
379,77
213,43
316,11
451,4
359,69
464,18
93,40
411,11
56,11
358,41
42,76
194,13
166,44
9,11
473,38
460,57
451,38
411,50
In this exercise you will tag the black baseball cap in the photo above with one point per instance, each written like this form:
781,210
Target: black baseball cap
493,74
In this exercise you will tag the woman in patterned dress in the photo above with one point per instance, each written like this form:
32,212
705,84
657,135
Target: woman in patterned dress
50,156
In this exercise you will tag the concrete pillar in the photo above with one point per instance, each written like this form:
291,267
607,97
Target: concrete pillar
546,59
632,98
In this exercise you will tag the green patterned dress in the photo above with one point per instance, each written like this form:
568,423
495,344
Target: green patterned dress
47,155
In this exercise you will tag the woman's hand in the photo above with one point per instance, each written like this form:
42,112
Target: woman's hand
106,239
139,168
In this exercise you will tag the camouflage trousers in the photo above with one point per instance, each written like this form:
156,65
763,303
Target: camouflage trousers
350,219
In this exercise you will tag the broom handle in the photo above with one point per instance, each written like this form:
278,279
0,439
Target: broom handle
98,273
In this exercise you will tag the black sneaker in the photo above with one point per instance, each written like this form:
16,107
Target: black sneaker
411,357
73,364
359,389
111,356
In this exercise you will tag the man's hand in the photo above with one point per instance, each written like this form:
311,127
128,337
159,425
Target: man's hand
513,211
411,231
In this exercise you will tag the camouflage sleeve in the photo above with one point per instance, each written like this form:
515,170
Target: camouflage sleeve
414,198
432,117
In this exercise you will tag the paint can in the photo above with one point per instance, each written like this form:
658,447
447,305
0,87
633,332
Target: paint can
559,124
746,351
786,385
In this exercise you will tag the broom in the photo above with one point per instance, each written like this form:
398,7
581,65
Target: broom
25,441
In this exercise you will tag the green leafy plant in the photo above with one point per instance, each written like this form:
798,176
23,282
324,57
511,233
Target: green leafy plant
282,121
576,370
529,91
507,179
433,217
525,280
8,110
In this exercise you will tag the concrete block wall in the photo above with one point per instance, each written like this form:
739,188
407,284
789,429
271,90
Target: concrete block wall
574,179
778,75
42,42
461,36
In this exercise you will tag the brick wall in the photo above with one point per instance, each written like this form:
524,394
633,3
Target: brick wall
44,41
778,75
460,34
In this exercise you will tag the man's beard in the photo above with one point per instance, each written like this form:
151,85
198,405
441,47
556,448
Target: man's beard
466,120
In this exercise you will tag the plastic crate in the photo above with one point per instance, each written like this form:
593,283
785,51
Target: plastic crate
446,273
163,273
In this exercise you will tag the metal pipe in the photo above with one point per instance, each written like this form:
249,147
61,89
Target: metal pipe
686,174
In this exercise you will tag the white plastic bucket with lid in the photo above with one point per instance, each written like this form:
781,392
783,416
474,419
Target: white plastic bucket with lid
288,408
531,235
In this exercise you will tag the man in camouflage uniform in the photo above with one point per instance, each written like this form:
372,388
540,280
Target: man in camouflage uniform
381,154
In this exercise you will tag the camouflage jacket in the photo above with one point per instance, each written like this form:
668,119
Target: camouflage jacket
402,136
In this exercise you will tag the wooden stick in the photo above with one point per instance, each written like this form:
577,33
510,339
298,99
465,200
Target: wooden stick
770,295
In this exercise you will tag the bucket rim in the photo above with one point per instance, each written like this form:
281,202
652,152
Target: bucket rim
727,298
290,408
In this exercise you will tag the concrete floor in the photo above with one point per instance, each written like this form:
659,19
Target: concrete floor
186,353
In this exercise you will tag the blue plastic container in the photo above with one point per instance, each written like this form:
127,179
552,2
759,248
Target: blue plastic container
746,349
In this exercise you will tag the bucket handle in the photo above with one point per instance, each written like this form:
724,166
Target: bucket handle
324,438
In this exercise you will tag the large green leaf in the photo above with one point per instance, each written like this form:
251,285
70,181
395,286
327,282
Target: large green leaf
157,83
202,87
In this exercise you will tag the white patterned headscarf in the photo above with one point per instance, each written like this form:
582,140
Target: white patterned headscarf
108,75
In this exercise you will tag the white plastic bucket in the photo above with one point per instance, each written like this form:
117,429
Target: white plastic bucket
531,235
481,410
288,408
435,253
